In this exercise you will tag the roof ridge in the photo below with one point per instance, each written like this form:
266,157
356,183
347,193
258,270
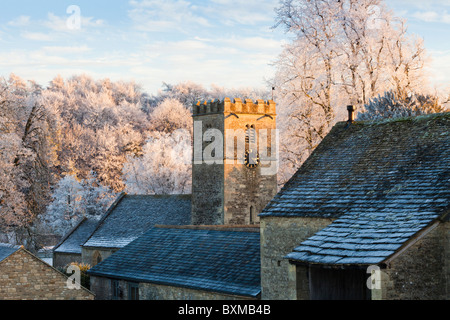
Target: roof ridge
421,117
71,231
107,213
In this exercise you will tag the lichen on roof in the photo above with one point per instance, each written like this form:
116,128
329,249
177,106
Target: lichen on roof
383,182
132,215
223,261
371,165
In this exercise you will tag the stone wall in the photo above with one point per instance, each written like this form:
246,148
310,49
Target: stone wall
149,291
422,271
227,192
89,255
248,187
101,287
279,236
25,277
63,259
207,178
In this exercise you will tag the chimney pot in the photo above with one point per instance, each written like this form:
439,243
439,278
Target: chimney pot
351,113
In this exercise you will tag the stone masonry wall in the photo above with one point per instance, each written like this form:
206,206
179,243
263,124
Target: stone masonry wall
279,236
224,193
148,291
207,179
246,187
63,259
422,271
25,277
101,287
89,254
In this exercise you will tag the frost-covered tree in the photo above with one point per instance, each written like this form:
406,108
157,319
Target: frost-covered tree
170,115
399,105
100,122
164,167
340,52
27,157
72,200
188,93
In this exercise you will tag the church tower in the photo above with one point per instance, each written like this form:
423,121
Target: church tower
234,170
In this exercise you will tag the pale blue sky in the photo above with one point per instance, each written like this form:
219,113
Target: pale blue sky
226,42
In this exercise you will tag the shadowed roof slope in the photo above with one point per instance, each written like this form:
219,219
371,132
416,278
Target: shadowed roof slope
71,243
212,260
132,215
6,250
386,182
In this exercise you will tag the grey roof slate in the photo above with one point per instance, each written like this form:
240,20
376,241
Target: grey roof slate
72,241
371,166
132,215
383,182
212,260
6,250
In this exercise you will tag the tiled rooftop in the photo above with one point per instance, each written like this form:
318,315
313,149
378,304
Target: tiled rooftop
72,242
383,181
212,260
372,166
132,215
6,250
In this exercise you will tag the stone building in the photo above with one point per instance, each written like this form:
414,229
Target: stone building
68,250
233,178
183,263
23,276
367,210
129,217
232,183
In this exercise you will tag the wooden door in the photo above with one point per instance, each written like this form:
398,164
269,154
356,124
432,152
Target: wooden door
338,284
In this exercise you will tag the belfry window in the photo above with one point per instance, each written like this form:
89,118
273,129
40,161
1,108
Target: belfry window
253,216
250,136
251,159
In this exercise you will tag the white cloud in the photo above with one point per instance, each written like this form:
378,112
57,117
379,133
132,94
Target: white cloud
432,16
21,21
421,4
37,36
440,68
238,12
66,49
164,16
58,23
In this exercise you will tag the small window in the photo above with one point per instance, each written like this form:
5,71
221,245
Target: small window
253,215
133,291
115,287
96,258
250,135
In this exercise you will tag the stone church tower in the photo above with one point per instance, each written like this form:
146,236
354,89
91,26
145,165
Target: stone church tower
234,171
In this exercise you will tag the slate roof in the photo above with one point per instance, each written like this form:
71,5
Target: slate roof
370,165
212,260
132,215
6,250
72,241
383,181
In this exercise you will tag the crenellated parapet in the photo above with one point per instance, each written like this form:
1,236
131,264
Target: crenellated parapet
237,106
